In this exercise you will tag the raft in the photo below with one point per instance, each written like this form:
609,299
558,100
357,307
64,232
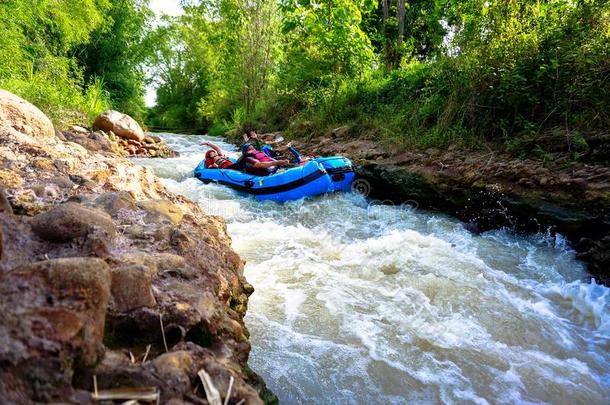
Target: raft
318,176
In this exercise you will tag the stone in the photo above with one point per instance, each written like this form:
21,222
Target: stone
10,179
25,202
340,132
72,295
113,202
101,140
71,220
79,129
5,205
173,362
132,288
83,141
164,209
142,259
121,124
148,139
23,117
176,368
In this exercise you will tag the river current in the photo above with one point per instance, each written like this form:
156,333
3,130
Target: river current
362,303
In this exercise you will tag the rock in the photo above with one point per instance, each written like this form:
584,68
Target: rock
71,220
9,179
176,368
121,124
156,138
25,202
79,129
102,140
178,362
113,202
83,140
71,294
163,208
5,206
132,288
149,139
340,132
19,115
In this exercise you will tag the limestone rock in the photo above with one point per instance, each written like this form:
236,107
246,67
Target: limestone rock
132,288
83,140
23,117
113,202
67,298
121,124
70,220
5,206
163,208
102,141
10,179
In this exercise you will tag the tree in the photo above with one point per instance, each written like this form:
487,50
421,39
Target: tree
117,53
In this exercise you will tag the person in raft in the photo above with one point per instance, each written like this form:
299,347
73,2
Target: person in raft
251,137
215,158
259,163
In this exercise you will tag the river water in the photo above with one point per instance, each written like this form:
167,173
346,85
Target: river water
362,303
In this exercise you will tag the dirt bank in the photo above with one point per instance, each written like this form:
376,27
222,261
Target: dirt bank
107,277
489,189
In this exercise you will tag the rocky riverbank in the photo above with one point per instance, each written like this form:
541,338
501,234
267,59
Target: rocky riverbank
489,189
112,287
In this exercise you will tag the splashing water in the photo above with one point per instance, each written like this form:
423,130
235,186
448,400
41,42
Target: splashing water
358,303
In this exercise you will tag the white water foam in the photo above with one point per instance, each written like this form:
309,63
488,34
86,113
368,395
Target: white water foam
362,304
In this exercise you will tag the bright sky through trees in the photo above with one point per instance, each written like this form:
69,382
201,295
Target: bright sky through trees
160,7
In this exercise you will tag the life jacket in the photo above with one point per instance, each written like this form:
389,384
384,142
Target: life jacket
221,161
261,157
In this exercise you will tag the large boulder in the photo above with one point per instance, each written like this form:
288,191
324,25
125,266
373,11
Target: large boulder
121,124
16,114
71,220
53,317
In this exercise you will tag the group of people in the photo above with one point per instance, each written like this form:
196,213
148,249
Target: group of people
256,158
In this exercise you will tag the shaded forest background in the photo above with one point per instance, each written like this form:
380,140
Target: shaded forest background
530,77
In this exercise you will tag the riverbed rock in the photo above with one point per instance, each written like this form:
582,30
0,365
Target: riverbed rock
83,140
71,220
18,115
94,257
162,208
120,124
53,321
113,202
132,288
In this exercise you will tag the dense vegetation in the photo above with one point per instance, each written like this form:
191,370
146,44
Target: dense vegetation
417,73
526,75
75,58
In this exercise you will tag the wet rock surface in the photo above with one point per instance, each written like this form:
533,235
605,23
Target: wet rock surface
488,190
105,273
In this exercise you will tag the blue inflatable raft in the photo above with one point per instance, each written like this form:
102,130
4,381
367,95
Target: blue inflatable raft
318,176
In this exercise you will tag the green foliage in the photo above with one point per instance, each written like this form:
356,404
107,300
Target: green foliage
513,70
73,59
118,51
36,39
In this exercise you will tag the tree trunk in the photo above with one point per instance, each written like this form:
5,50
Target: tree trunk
401,22
386,48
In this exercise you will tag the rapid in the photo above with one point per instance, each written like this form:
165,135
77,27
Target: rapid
362,303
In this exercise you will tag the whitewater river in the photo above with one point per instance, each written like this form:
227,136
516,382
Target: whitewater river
358,303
